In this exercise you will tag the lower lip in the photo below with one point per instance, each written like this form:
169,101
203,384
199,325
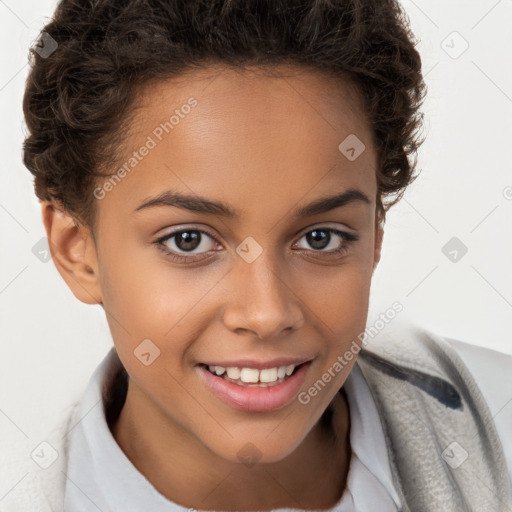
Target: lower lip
252,398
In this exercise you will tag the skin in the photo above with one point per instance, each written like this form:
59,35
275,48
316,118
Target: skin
265,145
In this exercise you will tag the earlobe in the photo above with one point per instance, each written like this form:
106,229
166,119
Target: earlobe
73,252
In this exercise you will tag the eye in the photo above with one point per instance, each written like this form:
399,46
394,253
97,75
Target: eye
190,241
323,241
185,244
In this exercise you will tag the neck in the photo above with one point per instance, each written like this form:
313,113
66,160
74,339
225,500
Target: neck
186,472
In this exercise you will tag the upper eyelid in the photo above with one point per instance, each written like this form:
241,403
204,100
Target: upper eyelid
173,233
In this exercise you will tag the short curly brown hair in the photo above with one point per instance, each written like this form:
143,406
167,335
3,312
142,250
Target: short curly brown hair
78,99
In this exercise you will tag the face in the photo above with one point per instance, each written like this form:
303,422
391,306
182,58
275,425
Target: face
240,272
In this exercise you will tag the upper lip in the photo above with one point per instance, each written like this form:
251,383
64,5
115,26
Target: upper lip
260,365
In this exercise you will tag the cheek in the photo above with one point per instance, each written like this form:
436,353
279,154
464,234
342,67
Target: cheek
339,303
145,299
147,294
339,297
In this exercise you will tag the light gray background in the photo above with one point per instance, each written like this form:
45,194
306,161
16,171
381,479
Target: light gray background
51,342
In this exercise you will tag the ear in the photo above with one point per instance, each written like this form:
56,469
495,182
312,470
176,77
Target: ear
73,252
379,235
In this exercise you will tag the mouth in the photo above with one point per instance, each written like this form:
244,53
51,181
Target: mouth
253,377
254,389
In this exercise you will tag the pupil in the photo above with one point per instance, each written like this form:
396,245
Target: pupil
317,238
188,240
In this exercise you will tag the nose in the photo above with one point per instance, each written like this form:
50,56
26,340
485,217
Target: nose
262,299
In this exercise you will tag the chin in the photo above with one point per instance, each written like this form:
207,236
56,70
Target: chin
252,449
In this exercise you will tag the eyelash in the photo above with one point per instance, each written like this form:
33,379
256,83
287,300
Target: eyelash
348,238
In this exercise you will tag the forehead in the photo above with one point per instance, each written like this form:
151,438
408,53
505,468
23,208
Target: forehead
254,133
262,100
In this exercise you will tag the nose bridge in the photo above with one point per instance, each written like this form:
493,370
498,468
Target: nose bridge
263,301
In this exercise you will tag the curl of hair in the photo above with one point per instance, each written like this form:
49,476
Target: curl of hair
79,100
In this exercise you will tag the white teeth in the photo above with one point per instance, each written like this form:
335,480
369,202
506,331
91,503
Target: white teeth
233,373
249,375
252,375
268,375
219,370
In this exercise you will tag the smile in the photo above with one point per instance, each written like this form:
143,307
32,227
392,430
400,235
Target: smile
252,389
252,376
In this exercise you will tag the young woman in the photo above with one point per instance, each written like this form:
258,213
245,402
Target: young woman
216,175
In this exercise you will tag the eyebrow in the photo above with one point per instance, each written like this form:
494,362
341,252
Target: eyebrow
206,206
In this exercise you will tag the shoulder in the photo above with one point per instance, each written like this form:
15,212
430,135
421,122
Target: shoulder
406,342
436,360
414,345
492,371
488,367
411,345
37,468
